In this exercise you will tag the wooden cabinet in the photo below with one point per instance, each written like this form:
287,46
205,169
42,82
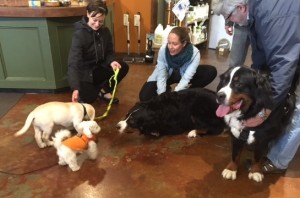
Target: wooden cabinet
34,52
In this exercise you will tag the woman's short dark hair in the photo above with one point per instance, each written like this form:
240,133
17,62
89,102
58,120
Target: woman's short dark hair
182,33
95,7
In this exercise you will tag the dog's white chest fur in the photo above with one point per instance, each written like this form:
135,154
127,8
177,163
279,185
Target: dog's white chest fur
236,125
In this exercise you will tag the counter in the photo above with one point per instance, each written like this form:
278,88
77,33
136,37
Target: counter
34,47
44,12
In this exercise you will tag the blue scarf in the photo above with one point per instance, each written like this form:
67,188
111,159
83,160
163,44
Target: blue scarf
180,59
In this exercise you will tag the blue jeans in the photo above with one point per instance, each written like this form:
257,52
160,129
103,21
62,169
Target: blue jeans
283,151
240,45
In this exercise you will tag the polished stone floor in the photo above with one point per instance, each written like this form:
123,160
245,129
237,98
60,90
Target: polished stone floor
130,165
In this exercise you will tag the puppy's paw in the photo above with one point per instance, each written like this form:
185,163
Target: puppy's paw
42,145
192,134
256,176
50,143
229,174
92,151
74,168
62,163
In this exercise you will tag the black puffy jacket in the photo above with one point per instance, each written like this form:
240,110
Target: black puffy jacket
89,49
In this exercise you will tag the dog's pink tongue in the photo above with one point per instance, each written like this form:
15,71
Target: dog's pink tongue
222,110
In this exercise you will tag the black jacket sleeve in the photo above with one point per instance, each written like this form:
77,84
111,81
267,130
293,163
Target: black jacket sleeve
108,47
74,60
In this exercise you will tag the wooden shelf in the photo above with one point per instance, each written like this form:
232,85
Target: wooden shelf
44,12
202,41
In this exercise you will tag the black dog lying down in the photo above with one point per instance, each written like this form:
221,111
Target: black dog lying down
174,113
242,94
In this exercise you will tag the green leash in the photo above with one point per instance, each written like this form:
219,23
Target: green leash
114,77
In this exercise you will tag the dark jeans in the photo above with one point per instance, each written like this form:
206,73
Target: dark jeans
204,75
89,91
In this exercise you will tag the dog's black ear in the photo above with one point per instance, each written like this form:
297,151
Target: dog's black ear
263,91
262,82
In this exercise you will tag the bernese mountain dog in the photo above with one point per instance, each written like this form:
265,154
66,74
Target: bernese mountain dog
191,110
242,93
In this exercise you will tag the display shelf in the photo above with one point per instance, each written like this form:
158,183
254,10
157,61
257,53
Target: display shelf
198,21
191,22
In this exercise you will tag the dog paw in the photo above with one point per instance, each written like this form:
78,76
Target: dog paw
62,163
229,174
75,168
256,176
50,143
42,145
192,134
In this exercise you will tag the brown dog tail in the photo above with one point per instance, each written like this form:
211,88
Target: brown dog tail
26,126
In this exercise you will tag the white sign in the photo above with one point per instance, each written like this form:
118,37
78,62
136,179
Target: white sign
180,9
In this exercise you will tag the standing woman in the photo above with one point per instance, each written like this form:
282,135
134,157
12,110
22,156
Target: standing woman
91,60
177,62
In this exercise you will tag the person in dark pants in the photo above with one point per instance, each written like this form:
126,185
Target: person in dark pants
240,43
91,61
177,62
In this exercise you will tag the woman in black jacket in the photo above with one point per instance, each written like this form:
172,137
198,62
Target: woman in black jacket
91,60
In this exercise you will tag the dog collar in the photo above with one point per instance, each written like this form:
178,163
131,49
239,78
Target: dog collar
84,111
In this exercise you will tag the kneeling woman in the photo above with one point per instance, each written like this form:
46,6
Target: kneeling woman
91,58
177,62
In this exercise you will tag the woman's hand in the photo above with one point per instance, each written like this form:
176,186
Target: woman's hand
115,65
75,96
258,119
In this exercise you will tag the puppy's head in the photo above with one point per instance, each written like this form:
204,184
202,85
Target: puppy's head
240,88
89,128
139,117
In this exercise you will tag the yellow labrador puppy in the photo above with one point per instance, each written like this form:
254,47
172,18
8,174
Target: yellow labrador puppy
66,114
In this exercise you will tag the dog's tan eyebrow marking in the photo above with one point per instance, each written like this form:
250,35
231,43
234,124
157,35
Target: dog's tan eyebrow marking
236,78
